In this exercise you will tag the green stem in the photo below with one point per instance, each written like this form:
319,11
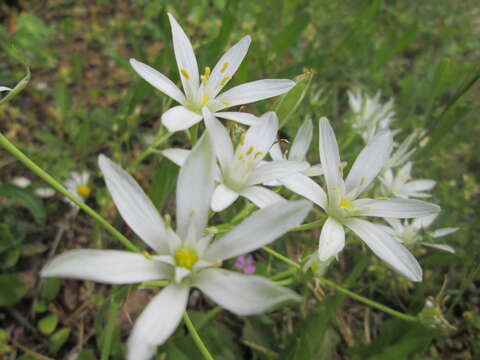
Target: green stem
353,295
17,89
61,189
283,274
159,140
309,226
196,338
110,328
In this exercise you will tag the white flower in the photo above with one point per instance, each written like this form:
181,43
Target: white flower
401,186
242,171
370,116
412,233
77,184
200,91
186,257
21,181
343,206
45,193
402,153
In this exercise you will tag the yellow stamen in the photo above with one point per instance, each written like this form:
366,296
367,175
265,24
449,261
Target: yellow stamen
147,255
185,73
258,153
382,198
250,150
83,190
240,156
242,140
186,258
206,75
223,102
205,99
344,203
224,80
224,67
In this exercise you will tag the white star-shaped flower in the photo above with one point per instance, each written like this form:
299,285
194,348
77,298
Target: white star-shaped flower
204,90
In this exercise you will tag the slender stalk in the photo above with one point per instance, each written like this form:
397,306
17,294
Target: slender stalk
17,89
159,140
309,226
10,147
196,338
110,328
347,292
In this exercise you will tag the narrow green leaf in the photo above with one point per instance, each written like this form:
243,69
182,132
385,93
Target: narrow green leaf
23,197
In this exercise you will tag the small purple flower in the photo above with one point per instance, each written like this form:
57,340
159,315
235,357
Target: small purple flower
246,264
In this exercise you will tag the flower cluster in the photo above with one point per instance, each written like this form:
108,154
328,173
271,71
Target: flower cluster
215,173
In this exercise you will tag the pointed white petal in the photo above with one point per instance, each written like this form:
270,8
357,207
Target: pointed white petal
227,66
424,221
259,229
177,156
314,170
443,232
306,187
240,117
420,185
158,80
396,208
195,189
261,196
276,152
275,170
332,239
157,322
330,158
222,198
443,247
220,138
386,248
243,294
180,118
186,60
134,205
255,91
106,266
369,162
301,143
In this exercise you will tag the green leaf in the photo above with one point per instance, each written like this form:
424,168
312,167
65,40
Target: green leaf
23,197
163,183
290,33
12,289
86,354
51,288
58,339
48,324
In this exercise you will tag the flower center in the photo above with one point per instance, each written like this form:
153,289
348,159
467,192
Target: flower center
346,204
186,258
83,190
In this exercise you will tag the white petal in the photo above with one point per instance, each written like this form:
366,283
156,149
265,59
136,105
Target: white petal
396,208
259,229
301,143
276,152
443,247
227,66
195,189
180,118
222,198
135,207
255,91
243,294
261,196
314,170
106,266
332,239
4,88
157,322
387,248
420,185
306,187
369,162
186,61
177,156
275,170
443,232
330,158
158,80
240,117
220,138
424,221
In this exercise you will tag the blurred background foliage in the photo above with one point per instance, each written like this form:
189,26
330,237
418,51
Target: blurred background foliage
84,99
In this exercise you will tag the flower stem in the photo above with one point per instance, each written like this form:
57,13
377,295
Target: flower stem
196,338
10,147
159,140
309,226
345,291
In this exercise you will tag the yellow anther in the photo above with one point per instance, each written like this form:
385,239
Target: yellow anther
240,156
250,150
185,73
258,153
186,258
224,80
382,198
242,140
83,190
206,75
225,66
223,102
344,203
205,99
147,255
